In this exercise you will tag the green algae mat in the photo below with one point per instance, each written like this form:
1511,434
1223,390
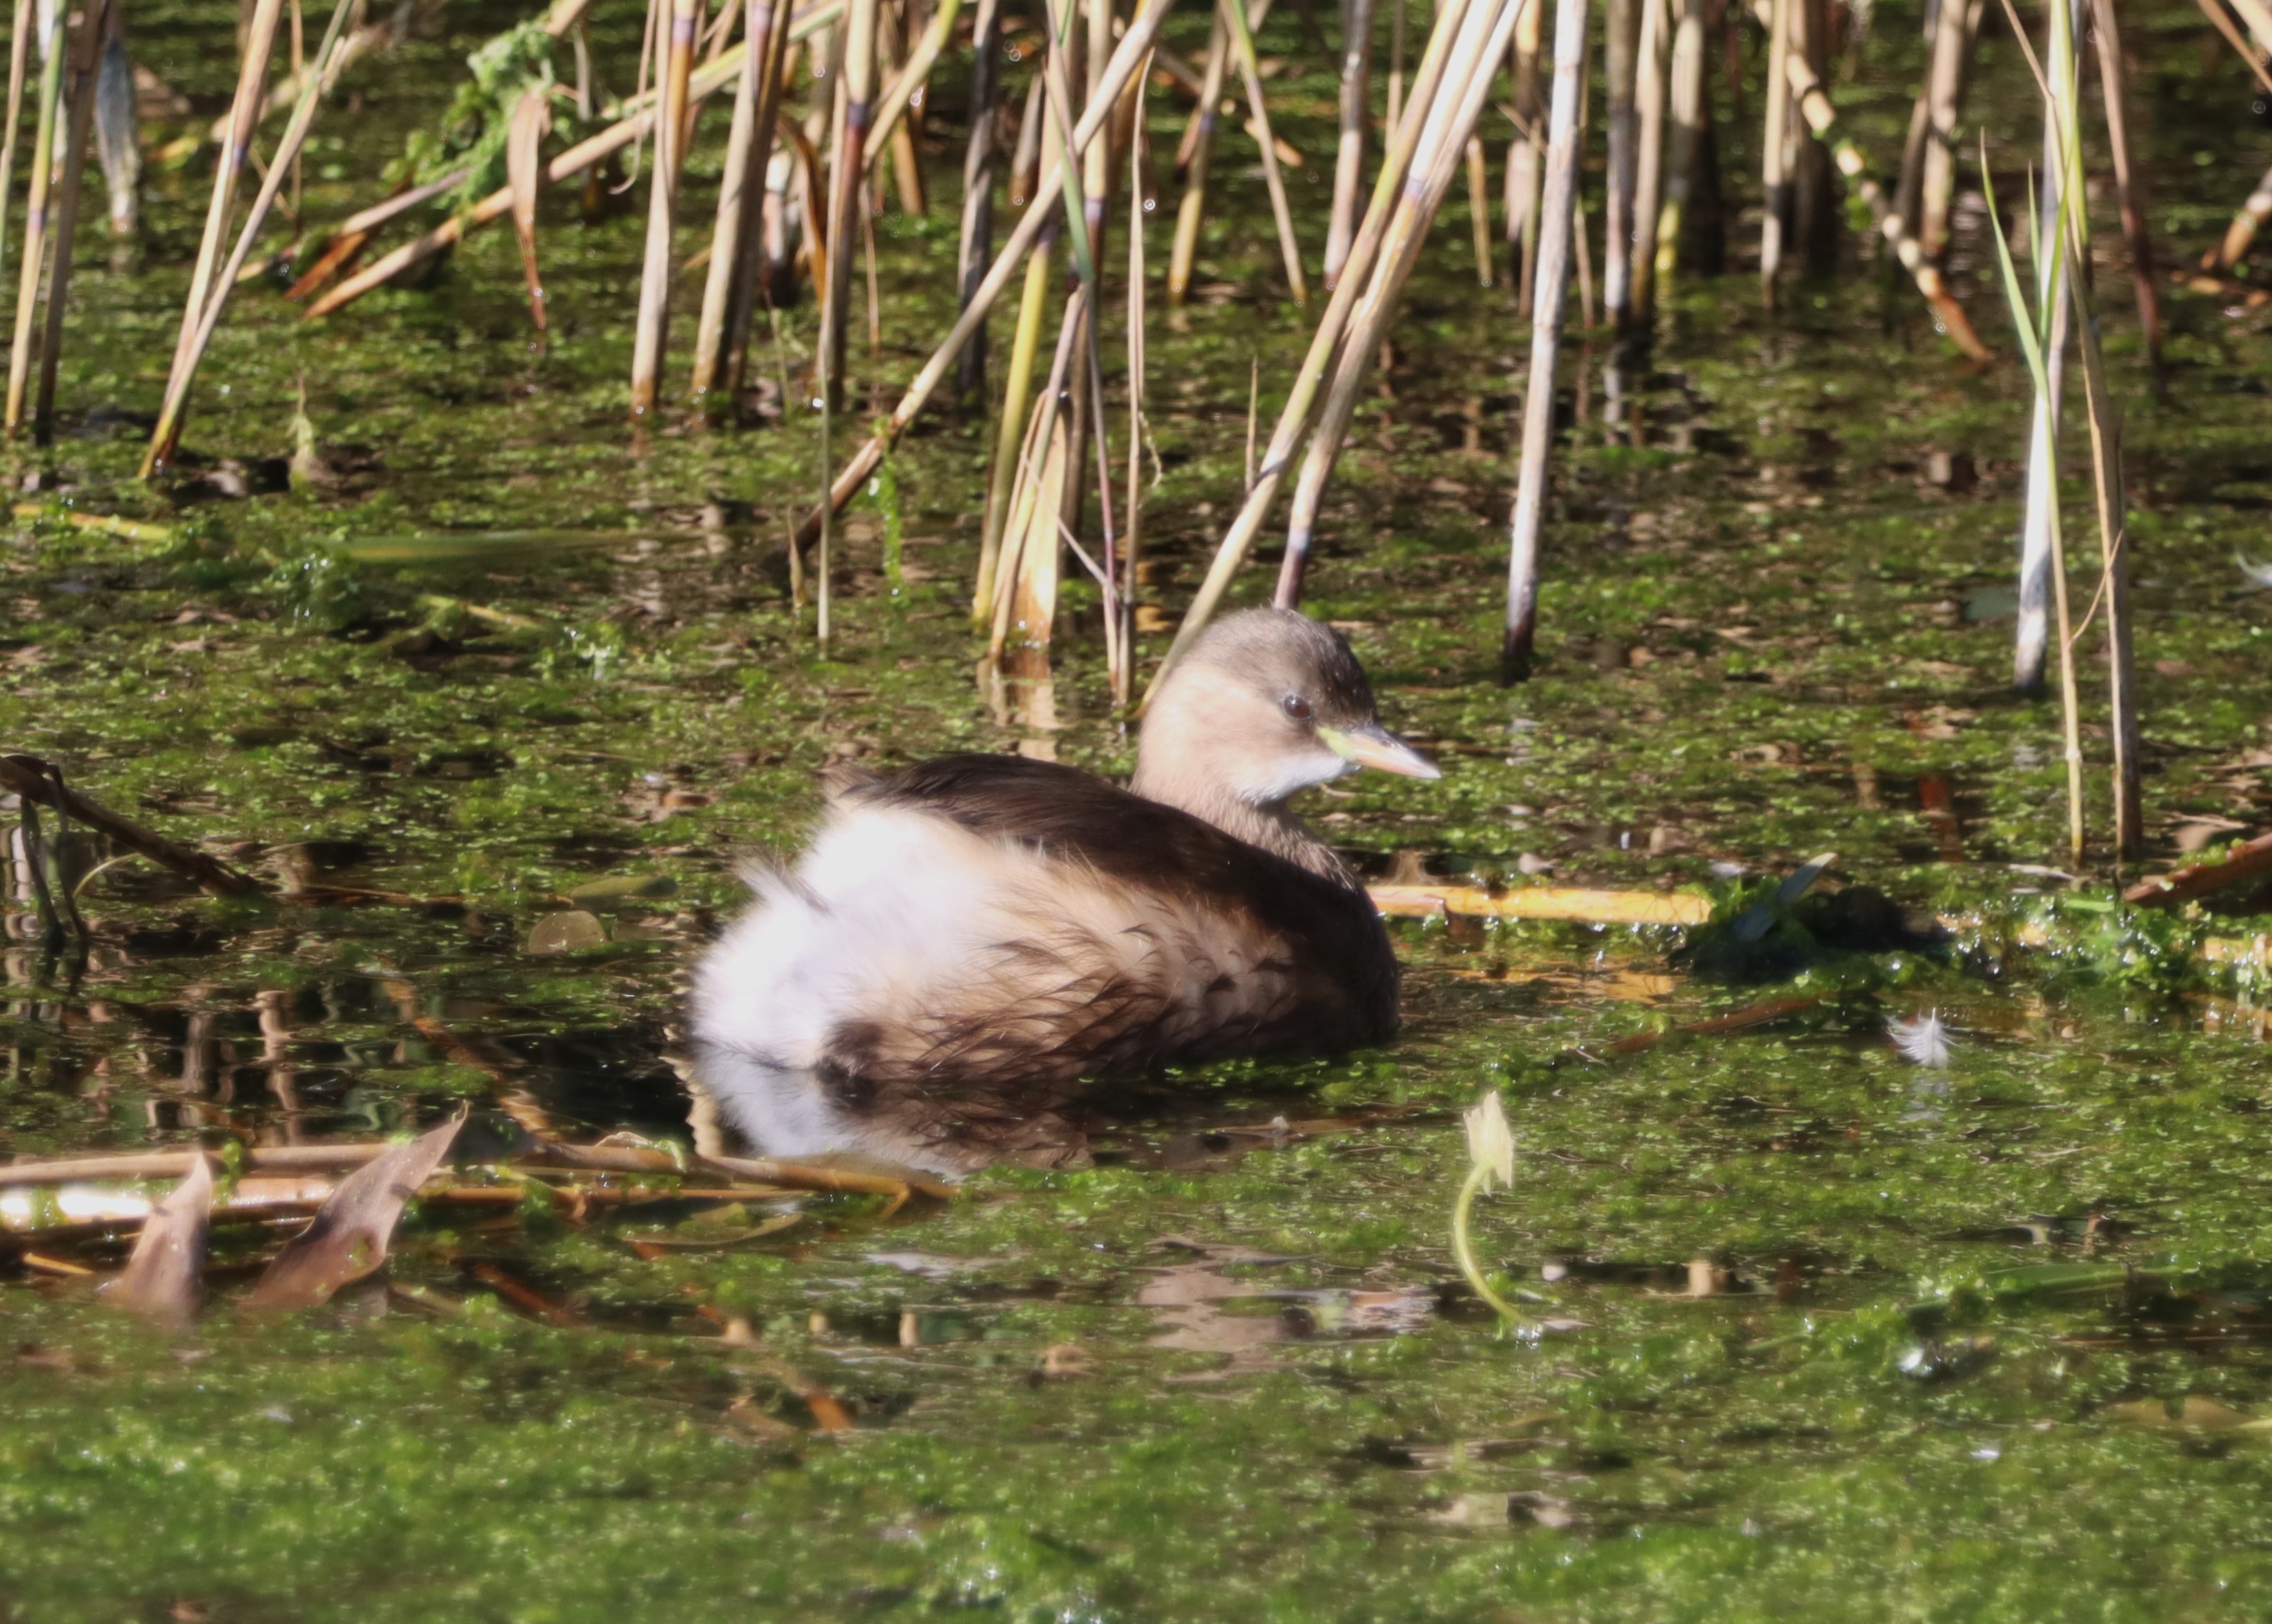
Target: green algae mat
1809,1330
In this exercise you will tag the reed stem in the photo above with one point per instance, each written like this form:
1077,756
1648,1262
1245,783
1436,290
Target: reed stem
1621,20
976,245
1564,136
1348,158
1773,145
1193,205
651,333
19,52
1649,102
35,224
87,61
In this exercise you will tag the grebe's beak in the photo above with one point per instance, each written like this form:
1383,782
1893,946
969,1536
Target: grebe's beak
1375,746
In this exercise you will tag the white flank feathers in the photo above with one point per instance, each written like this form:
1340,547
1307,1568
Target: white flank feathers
2259,575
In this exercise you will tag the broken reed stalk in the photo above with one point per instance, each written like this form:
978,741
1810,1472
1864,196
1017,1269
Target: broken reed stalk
1390,192
1774,146
1649,67
1562,151
86,48
165,439
651,327
1620,18
1355,114
856,89
976,244
1135,46
707,80
2129,185
35,222
1192,206
748,147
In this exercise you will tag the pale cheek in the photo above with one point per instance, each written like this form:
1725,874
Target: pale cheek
1289,775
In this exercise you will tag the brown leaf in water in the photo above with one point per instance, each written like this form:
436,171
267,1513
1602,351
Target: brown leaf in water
348,1238
532,118
160,1279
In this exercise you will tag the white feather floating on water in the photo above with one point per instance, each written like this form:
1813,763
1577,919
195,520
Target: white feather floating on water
2259,575
1921,1039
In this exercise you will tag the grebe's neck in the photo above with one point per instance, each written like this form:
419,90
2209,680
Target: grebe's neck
1266,824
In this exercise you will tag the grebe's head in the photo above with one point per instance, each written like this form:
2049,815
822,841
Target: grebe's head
1263,705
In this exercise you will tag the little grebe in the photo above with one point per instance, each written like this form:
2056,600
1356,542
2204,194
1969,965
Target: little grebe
997,924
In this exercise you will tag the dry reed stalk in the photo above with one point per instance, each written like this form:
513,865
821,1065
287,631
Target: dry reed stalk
1774,148
245,112
1620,18
1479,210
1250,68
1026,588
1649,102
1944,103
165,439
1524,154
1815,212
1295,417
1564,137
1024,346
2105,418
86,48
749,149
35,225
705,82
1348,158
1200,141
650,331
1131,540
1025,160
2129,185
2040,521
19,52
1135,47
976,244
906,86
1395,64
855,91
1681,236
1450,115
1814,106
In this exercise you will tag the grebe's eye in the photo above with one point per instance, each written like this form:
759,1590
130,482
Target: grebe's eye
1295,706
